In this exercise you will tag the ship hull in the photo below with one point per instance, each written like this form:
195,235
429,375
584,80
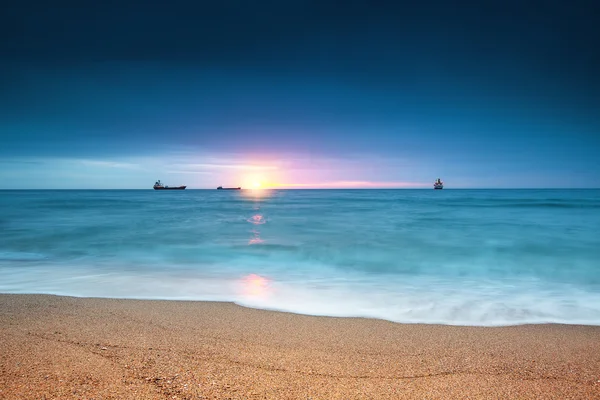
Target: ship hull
438,187
237,188
170,188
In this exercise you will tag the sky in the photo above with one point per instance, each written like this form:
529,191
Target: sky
299,94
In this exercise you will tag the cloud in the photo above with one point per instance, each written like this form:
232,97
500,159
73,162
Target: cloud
187,172
200,166
201,170
20,162
108,164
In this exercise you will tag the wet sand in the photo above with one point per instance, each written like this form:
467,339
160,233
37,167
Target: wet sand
74,348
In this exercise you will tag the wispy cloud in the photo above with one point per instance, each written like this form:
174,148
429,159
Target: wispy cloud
187,172
203,170
201,166
20,162
108,164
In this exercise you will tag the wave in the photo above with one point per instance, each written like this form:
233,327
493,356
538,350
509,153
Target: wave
532,205
21,256
408,300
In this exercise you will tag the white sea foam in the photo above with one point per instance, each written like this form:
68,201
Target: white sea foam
405,300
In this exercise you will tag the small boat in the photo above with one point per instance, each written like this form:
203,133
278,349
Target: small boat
159,186
438,184
232,188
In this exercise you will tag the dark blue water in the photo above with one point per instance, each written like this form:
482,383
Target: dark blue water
474,257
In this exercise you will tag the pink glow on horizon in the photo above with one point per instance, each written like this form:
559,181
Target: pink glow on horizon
351,184
257,172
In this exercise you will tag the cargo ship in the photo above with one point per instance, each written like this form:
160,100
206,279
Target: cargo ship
228,188
159,186
438,184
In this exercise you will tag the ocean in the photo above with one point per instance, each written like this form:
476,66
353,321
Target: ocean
459,257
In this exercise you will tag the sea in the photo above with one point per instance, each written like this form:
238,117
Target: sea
456,257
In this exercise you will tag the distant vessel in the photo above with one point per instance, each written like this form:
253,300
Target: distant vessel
222,188
438,184
159,186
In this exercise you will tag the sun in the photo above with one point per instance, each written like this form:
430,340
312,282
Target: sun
257,181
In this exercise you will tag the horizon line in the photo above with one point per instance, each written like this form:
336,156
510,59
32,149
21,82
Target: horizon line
321,188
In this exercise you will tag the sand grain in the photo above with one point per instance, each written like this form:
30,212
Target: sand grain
61,347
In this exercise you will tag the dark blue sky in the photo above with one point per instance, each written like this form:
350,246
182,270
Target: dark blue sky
118,94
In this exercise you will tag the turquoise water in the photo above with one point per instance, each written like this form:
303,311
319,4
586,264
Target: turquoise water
468,257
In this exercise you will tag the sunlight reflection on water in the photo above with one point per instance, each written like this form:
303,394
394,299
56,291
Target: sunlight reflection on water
254,286
257,219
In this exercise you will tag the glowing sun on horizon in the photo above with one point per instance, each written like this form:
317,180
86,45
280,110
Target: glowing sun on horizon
255,182
260,180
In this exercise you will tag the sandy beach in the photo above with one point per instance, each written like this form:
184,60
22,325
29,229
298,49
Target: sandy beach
62,347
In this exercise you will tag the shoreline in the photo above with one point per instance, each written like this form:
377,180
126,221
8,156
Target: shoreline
275,310
309,314
79,347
